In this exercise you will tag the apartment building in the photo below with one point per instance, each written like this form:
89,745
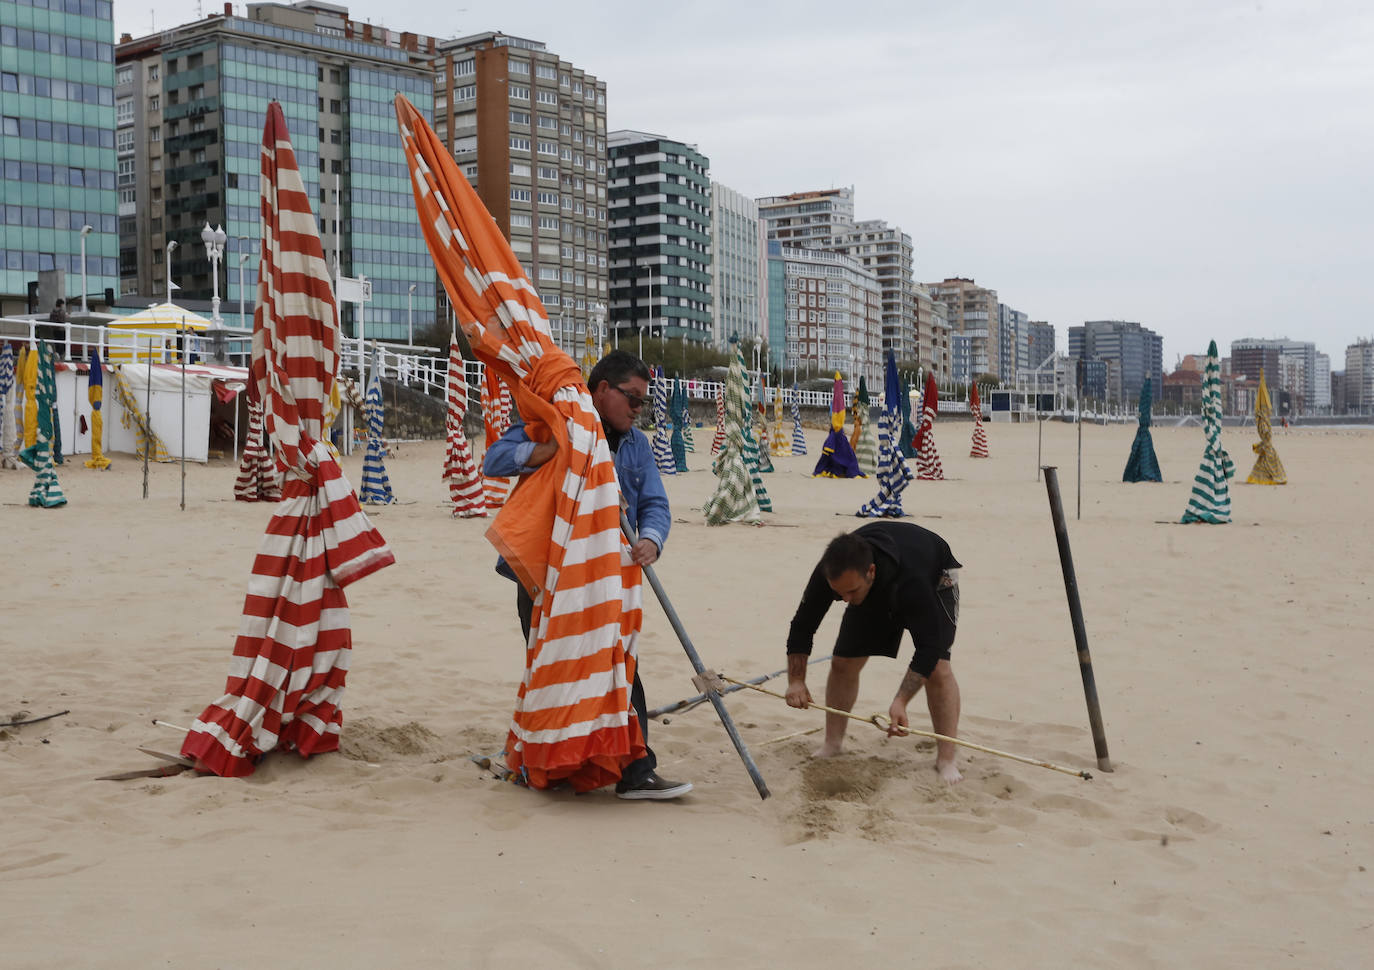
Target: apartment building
829,316
1013,353
1358,385
1039,342
808,220
190,105
739,267
1135,353
528,129
57,152
934,345
1290,368
886,252
659,193
972,311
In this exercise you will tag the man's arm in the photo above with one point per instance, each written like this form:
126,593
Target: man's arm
514,454
815,603
652,511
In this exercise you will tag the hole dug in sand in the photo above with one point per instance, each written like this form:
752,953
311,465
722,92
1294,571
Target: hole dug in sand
364,739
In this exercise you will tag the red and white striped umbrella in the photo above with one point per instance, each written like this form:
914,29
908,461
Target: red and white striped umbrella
928,467
464,480
560,529
258,480
980,434
495,420
286,677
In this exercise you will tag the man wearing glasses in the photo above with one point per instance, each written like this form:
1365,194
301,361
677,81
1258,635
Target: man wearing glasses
620,387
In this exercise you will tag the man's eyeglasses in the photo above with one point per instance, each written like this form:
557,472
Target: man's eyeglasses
633,400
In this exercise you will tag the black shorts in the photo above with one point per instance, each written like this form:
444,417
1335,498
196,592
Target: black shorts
870,633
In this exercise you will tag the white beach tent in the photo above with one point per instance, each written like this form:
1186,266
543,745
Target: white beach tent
163,319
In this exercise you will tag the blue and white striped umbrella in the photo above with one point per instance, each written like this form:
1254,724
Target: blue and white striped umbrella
893,473
7,433
663,451
798,437
376,487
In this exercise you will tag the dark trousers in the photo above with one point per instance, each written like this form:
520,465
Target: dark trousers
636,771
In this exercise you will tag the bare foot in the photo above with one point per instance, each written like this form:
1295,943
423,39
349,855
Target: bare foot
826,750
949,772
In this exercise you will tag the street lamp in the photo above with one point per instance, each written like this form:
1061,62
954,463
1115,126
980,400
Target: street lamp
85,231
214,250
171,244
410,319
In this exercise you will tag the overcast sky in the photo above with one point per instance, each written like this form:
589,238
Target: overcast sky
1203,168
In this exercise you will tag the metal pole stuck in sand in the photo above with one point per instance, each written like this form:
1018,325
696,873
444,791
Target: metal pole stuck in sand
1080,631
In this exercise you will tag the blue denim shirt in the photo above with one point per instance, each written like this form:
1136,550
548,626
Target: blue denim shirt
640,484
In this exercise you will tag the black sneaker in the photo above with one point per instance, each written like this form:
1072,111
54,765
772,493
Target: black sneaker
652,787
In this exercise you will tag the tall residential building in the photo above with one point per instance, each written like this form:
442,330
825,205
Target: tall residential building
57,149
1321,386
830,315
739,267
1359,377
886,253
194,98
1290,367
1012,330
1136,353
933,350
660,237
1039,342
972,311
808,220
529,131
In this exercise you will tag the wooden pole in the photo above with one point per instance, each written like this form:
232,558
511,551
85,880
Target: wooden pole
1080,631
698,666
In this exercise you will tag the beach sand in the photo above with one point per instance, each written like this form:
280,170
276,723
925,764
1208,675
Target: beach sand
1232,663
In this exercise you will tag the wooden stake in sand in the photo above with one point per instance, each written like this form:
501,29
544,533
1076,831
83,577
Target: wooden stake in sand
1080,632
876,718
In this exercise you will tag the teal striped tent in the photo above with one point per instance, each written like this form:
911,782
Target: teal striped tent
46,493
1211,498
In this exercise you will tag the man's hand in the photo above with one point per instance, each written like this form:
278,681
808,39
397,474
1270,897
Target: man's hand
798,695
644,552
897,715
541,453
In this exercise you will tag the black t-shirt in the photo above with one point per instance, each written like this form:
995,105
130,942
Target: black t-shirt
910,562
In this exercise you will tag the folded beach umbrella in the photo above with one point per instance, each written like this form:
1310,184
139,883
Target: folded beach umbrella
738,487
893,473
132,417
798,435
7,442
46,492
662,447
95,394
861,403
1268,469
677,411
257,480
980,434
496,419
906,434
684,412
1142,465
460,470
560,529
928,467
286,677
778,441
719,439
1210,500
28,383
376,487
837,456
867,450
756,436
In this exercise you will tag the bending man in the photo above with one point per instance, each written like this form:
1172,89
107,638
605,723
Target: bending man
893,577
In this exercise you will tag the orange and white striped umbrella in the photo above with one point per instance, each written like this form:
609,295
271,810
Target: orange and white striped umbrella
560,529
286,677
464,480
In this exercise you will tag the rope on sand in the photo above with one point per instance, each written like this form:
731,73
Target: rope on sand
876,720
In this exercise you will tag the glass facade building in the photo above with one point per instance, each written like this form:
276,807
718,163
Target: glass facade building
57,146
194,100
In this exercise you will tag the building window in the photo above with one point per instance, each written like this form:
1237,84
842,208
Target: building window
152,72
520,144
518,92
519,195
467,68
124,74
520,220
467,92
155,103
124,112
519,66
520,118
547,97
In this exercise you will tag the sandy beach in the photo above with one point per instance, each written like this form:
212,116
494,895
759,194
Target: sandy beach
1232,664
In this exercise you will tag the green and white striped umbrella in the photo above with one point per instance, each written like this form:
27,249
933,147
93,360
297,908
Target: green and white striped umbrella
739,495
1211,498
